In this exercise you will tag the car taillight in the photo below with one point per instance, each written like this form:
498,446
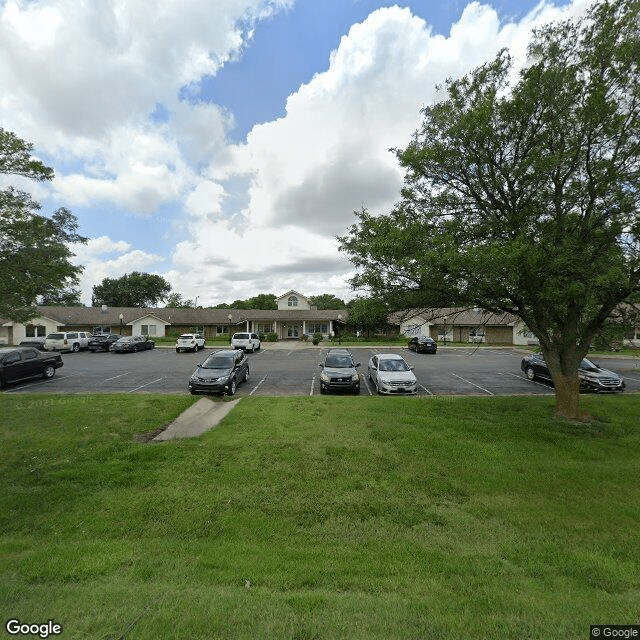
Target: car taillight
65,341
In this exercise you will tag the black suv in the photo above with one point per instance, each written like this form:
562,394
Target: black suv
102,342
339,372
221,372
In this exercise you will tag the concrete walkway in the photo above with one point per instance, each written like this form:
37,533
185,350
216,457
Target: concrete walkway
198,418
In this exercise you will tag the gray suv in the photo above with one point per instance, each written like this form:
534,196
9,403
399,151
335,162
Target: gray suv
339,372
221,372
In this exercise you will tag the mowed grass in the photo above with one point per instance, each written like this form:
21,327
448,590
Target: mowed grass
327,517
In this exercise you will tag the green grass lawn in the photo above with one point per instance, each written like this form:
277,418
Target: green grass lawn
312,518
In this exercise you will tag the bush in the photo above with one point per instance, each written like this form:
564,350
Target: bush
272,337
317,338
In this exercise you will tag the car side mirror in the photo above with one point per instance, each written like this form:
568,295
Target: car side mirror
358,364
321,365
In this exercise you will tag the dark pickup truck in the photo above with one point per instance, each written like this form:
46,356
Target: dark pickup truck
20,363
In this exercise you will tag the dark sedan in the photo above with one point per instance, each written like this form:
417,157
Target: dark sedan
21,363
103,342
423,344
592,376
132,343
221,372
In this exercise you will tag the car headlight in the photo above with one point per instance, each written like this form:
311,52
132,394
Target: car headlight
223,379
324,377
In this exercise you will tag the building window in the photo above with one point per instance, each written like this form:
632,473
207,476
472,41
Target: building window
317,327
265,328
222,328
36,331
101,329
292,301
148,330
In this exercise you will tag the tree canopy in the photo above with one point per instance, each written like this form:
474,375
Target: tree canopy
327,301
133,289
522,196
34,249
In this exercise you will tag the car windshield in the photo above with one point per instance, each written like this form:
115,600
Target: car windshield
186,336
218,362
338,361
241,336
128,339
393,365
588,365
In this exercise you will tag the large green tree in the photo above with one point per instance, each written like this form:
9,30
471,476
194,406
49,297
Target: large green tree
522,194
327,301
34,249
133,289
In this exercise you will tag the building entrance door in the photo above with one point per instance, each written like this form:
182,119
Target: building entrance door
293,331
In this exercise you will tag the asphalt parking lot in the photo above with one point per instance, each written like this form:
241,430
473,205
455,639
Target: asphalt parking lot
286,370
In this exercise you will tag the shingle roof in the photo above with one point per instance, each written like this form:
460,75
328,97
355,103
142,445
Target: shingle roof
73,316
455,315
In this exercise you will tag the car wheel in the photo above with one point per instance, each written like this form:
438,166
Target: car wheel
530,373
75,348
231,389
135,349
49,371
177,350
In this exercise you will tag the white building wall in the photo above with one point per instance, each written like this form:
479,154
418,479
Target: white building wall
522,335
415,327
19,332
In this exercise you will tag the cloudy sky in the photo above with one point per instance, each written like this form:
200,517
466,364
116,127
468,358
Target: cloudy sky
223,144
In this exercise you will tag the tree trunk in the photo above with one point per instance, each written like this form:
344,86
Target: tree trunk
568,398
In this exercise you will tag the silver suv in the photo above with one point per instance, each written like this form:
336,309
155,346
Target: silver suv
67,341
246,341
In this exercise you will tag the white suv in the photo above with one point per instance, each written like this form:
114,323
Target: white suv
69,341
189,342
246,341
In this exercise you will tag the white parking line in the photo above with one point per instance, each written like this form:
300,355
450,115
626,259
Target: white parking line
473,384
366,384
120,376
634,379
513,375
313,381
142,386
47,381
425,388
256,387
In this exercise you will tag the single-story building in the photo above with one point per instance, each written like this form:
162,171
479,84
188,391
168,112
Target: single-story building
294,317
457,324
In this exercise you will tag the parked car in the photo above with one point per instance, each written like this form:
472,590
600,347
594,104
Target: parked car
67,341
132,343
391,374
20,363
423,344
246,341
221,372
189,342
103,341
38,343
339,372
592,376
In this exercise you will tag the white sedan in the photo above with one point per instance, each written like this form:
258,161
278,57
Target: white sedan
391,374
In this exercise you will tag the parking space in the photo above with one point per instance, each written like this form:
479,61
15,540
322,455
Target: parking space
283,371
